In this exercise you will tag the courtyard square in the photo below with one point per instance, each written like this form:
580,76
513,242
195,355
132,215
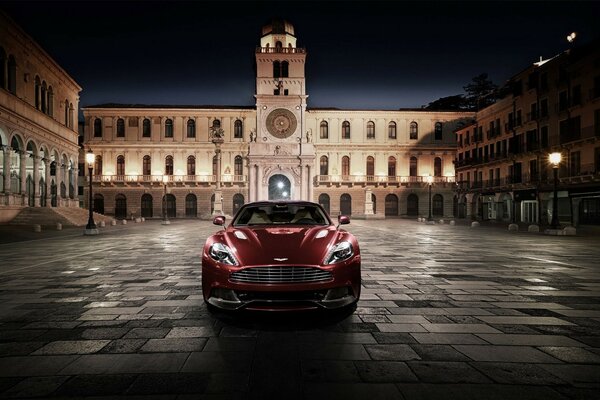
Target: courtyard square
445,312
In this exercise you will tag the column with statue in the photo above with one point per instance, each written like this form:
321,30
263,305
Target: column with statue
217,134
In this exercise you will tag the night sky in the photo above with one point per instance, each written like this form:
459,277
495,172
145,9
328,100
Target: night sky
361,55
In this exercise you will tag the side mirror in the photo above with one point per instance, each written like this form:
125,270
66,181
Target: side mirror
343,219
219,220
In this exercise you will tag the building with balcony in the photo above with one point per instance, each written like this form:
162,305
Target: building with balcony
38,126
369,163
502,166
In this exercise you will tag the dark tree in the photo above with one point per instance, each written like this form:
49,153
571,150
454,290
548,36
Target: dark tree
449,103
481,92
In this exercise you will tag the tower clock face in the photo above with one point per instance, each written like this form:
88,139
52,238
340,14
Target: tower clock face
281,123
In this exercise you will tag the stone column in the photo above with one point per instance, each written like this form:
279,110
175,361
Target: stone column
75,199
47,182
6,168
259,177
310,183
36,181
252,182
22,174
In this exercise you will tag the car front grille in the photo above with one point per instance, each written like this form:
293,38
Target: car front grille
280,274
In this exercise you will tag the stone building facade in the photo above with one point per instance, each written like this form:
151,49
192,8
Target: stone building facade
38,126
364,163
502,165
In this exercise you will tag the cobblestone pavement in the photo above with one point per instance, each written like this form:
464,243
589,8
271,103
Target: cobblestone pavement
446,312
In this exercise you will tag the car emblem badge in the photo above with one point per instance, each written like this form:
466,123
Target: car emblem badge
280,259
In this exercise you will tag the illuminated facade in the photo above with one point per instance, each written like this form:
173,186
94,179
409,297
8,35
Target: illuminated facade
502,164
38,126
357,162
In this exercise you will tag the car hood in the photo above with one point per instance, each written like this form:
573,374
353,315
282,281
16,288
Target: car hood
289,245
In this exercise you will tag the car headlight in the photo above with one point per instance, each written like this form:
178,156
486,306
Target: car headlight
222,253
340,252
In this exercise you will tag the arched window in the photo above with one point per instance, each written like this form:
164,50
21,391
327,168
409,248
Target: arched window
120,206
345,204
38,88
169,128
391,205
147,205
392,130
345,166
146,128
191,128
44,97
171,205
147,166
374,201
169,165
216,123
191,165
437,206
437,167
370,166
50,108
324,166
413,166
414,130
191,205
324,130
412,204
325,202
121,165
12,75
98,165
278,45
345,130
98,127
438,131
276,69
285,66
120,127
98,203
238,166
67,113
392,166
370,130
71,113
238,129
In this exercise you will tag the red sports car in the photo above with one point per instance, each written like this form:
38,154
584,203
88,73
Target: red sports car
281,256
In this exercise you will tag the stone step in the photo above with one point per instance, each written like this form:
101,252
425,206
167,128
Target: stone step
67,216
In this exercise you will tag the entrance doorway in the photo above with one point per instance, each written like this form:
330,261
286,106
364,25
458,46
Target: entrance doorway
280,187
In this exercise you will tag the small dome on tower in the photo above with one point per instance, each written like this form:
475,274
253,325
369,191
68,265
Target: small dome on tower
278,26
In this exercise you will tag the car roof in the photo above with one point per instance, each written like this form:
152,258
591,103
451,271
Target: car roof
274,202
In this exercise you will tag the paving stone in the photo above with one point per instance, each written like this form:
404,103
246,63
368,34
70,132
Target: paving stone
72,347
574,355
505,354
447,338
438,352
446,371
123,346
400,352
104,333
384,371
575,374
517,373
530,340
420,391
96,385
333,351
209,362
342,391
169,383
147,333
19,348
383,338
38,386
34,366
174,345
126,363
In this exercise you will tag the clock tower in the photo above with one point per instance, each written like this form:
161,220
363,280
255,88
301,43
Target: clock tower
281,153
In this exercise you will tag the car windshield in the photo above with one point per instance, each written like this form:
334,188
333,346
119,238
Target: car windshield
281,214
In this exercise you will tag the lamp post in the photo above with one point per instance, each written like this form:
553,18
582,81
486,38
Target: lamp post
555,159
430,183
90,228
165,221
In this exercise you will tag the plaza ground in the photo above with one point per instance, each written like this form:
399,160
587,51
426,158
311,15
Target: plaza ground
446,312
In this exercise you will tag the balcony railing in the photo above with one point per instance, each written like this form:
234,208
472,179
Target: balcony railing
283,50
380,179
170,178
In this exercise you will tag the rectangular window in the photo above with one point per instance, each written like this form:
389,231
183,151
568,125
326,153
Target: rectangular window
533,112
517,177
544,108
563,102
544,136
529,211
491,177
519,120
533,171
575,163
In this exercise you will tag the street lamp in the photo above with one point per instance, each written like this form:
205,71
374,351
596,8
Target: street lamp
430,183
90,228
165,221
555,159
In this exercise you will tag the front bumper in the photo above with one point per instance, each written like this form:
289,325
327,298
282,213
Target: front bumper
342,290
